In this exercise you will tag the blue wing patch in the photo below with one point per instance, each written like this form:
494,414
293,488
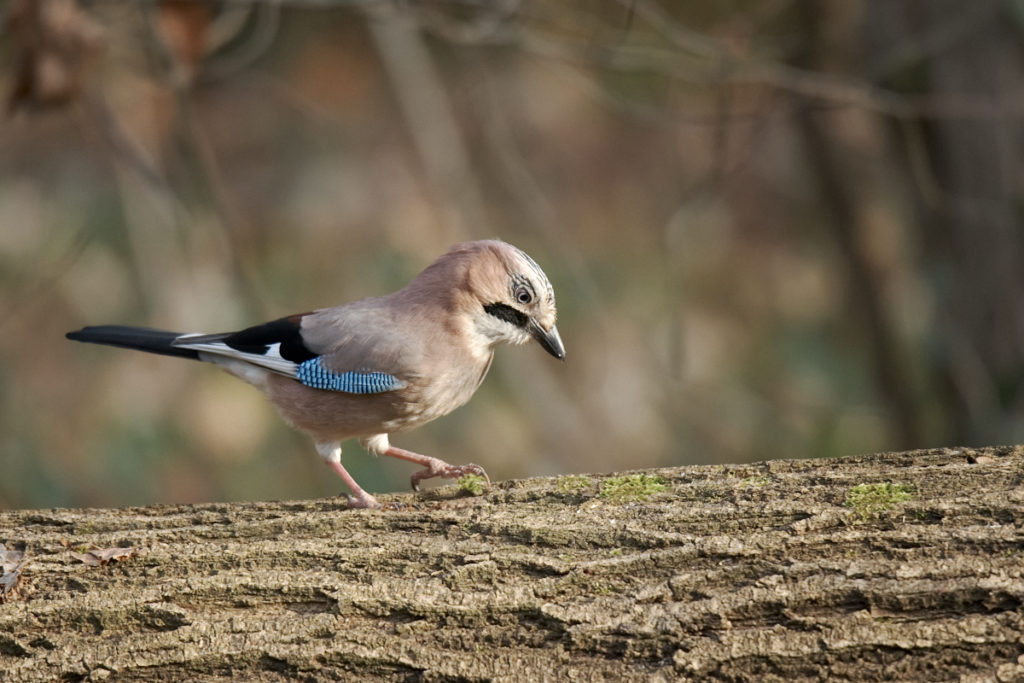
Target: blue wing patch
313,374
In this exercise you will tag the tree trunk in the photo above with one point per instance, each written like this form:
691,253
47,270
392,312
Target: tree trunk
745,572
968,195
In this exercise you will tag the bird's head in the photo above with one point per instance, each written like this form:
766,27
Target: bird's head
507,297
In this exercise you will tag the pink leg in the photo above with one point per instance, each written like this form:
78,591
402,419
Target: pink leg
359,497
434,467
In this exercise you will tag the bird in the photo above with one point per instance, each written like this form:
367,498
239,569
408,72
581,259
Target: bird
380,365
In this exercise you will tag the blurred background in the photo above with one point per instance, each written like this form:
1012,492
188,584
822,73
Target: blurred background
776,229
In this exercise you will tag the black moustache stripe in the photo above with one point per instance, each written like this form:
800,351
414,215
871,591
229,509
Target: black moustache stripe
507,313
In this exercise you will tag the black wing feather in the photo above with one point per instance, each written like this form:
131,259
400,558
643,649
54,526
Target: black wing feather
257,339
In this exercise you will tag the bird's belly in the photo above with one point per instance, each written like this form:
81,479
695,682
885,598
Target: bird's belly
334,415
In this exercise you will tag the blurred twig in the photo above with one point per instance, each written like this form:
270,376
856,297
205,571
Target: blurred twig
694,58
689,55
206,167
123,149
431,121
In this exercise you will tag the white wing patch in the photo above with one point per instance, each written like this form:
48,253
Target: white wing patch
271,359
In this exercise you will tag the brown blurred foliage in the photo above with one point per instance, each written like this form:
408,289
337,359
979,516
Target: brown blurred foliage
775,229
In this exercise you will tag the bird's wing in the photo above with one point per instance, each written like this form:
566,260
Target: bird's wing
372,343
276,346
350,349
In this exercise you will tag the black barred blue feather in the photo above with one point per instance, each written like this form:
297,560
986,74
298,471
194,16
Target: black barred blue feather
313,374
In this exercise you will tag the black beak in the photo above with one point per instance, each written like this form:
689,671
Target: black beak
549,339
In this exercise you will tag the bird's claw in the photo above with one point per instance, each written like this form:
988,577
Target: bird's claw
446,471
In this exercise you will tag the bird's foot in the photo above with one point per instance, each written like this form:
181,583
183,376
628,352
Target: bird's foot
439,468
434,467
362,500
359,498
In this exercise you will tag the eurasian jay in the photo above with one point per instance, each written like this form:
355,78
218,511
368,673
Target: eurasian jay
384,364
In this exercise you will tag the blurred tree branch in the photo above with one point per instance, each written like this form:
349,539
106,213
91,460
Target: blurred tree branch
684,53
698,59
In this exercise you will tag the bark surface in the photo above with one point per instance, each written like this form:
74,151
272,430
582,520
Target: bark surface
747,572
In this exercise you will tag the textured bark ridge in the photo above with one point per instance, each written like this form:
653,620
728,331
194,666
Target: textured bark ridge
753,572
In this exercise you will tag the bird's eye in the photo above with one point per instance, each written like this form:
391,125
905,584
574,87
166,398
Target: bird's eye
523,295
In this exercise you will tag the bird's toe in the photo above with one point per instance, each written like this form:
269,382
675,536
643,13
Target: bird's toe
362,501
446,471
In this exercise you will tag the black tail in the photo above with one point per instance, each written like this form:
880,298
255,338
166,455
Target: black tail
139,338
